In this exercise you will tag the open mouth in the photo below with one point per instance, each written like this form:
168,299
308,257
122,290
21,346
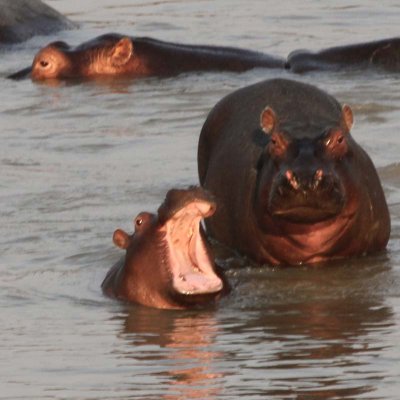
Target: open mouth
191,266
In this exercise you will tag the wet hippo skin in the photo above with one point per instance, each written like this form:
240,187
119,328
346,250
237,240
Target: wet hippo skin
168,263
118,55
292,185
381,54
22,19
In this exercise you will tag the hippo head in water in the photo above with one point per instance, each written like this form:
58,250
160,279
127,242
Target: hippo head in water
301,181
319,190
168,263
110,54
117,55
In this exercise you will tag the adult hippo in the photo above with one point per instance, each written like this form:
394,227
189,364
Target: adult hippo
168,263
115,54
291,184
22,19
381,54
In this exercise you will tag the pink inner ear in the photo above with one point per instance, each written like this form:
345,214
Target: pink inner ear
121,239
123,50
268,120
347,116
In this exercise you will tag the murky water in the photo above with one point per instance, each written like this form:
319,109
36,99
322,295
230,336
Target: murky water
79,160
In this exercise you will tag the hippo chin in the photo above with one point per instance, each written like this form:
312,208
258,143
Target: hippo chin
168,263
292,185
118,55
381,54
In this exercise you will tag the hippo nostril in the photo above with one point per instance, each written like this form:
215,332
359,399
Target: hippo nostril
292,179
318,176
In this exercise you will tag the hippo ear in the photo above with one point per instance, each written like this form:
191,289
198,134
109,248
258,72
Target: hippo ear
268,120
122,51
347,117
121,239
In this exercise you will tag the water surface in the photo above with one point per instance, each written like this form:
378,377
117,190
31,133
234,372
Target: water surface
79,160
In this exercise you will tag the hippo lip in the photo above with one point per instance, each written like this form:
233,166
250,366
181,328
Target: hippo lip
306,214
190,264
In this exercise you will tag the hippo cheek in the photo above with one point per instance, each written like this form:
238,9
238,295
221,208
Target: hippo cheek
306,204
192,269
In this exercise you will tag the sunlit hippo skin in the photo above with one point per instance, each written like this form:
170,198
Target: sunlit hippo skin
22,19
381,55
291,184
118,55
168,263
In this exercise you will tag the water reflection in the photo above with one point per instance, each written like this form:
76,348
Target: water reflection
183,345
298,333
322,342
335,330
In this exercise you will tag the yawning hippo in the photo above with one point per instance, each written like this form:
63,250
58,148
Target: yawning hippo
114,54
291,184
383,54
168,263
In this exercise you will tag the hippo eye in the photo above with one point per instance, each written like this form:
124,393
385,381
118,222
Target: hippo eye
142,220
335,144
278,144
139,221
43,63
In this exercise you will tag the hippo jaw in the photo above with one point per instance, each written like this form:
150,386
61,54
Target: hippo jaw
306,193
305,214
191,268
307,208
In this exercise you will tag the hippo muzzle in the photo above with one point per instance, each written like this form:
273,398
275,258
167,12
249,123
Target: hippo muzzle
306,190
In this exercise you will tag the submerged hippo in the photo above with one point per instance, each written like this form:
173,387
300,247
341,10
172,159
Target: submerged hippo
114,54
381,54
291,184
168,263
22,19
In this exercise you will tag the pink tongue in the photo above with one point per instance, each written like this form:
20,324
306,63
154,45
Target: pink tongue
198,284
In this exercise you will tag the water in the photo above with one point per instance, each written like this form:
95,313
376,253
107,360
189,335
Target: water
79,160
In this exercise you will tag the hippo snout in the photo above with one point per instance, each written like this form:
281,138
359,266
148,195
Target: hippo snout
309,181
306,196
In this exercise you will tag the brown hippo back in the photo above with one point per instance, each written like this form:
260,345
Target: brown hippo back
381,54
117,55
291,184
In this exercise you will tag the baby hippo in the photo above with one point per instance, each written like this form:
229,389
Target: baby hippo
168,263
117,55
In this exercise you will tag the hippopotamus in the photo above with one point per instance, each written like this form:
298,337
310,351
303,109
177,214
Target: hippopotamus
118,55
22,19
168,262
291,183
382,54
